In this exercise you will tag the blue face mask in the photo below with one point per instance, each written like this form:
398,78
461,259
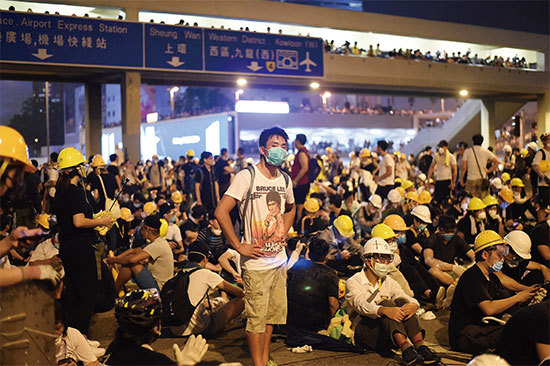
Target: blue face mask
504,205
276,156
401,240
447,237
496,267
422,227
173,219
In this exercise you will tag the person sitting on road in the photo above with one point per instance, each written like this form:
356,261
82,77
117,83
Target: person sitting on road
518,264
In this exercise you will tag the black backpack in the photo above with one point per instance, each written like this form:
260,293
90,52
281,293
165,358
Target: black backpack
176,306
313,170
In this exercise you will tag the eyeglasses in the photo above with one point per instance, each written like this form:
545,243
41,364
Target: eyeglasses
501,250
381,258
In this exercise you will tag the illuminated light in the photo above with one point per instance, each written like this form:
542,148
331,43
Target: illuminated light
463,93
314,85
212,134
152,117
261,106
238,93
120,145
326,94
36,139
182,140
175,89
391,112
307,288
241,82
376,132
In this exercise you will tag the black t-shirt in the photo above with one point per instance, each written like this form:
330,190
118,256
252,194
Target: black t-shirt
472,289
189,169
126,353
223,176
527,327
455,248
515,272
464,226
314,225
113,170
69,202
309,287
110,184
454,212
206,178
540,236
188,225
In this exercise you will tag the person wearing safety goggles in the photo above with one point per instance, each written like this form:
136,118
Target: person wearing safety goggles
518,264
480,293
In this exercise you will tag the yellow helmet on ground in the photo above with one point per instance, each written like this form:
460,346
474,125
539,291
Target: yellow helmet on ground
163,228
505,177
176,197
344,225
44,221
14,147
476,204
98,161
517,182
424,197
126,214
506,194
69,157
312,205
486,239
382,231
396,222
149,208
490,200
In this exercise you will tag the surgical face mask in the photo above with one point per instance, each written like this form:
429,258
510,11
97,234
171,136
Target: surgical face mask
422,227
276,156
125,199
137,204
441,150
393,246
464,206
482,215
381,269
173,219
402,239
496,267
493,212
504,205
217,232
447,237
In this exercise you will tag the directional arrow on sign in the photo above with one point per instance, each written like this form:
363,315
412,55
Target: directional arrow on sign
42,54
254,66
175,62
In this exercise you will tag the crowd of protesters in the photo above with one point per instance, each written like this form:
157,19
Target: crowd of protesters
350,256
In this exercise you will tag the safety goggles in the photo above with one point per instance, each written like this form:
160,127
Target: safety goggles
501,250
381,258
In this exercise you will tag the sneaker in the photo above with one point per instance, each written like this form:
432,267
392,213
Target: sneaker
428,356
271,363
410,356
449,296
439,298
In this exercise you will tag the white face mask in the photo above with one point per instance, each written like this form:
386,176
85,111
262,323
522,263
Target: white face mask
393,246
217,232
493,212
482,215
441,150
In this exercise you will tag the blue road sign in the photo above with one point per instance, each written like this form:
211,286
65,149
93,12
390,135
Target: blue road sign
45,39
173,47
261,53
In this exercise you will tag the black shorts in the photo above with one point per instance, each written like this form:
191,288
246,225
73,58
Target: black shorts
300,193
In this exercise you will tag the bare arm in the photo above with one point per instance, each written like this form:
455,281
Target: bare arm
432,168
217,191
494,307
510,283
81,222
463,171
540,267
302,158
454,173
288,216
494,165
333,305
544,251
231,289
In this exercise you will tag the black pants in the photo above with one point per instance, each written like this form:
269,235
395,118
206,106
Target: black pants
419,278
442,192
476,339
382,191
81,282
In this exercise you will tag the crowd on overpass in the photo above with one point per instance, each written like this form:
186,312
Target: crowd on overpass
349,257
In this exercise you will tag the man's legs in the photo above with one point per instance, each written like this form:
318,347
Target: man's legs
443,277
256,345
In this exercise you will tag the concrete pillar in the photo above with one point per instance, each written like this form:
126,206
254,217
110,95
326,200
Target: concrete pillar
488,122
132,14
93,119
543,113
131,115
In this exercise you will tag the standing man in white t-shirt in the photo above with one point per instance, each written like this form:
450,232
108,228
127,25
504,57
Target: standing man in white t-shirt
386,171
477,169
444,165
541,165
270,211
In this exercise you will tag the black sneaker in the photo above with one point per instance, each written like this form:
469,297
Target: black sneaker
428,356
410,356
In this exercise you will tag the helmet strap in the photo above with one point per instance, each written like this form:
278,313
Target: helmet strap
3,167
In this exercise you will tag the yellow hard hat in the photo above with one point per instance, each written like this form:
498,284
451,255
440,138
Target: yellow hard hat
486,239
544,166
524,153
506,194
407,184
490,200
97,161
163,230
398,180
505,177
13,146
411,196
476,204
344,225
44,221
424,197
328,149
396,222
382,231
149,208
126,214
69,157
176,197
517,182
396,153
312,205
190,153
401,191
365,153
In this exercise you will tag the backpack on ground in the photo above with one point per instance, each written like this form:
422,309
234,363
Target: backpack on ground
176,306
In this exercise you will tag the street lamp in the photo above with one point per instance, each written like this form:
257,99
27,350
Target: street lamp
173,92
241,82
314,85
238,93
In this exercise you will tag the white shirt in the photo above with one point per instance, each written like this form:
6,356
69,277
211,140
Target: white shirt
483,156
75,346
444,172
359,289
386,163
263,227
174,233
536,161
43,251
161,262
402,169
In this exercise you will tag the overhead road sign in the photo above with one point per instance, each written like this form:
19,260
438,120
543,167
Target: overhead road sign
262,53
44,39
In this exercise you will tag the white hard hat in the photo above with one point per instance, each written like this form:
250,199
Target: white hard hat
532,145
497,183
376,200
374,155
487,359
507,148
422,176
520,242
423,213
394,196
376,246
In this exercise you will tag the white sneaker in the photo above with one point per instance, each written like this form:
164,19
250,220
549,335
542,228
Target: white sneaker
93,343
439,298
449,296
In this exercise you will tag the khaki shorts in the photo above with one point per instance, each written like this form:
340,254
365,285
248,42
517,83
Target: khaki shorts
264,298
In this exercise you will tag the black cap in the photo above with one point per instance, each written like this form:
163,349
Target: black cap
200,248
165,208
153,221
